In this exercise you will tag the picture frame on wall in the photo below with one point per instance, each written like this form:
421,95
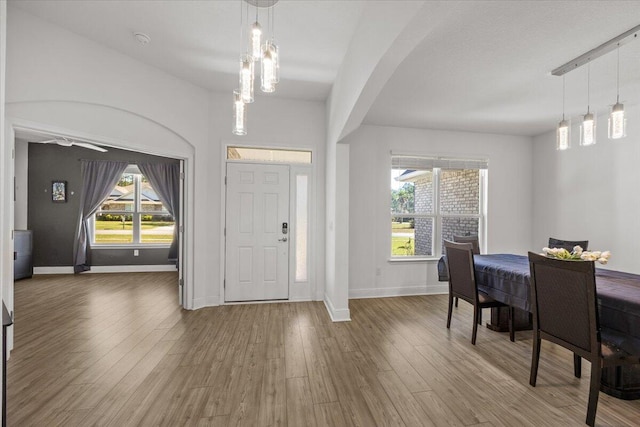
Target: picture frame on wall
59,191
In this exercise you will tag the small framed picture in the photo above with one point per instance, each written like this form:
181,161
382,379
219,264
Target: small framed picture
59,191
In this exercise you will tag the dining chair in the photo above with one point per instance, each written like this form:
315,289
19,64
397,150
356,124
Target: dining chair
462,284
475,241
565,312
568,244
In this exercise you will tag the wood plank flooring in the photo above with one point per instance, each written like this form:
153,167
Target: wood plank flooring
117,350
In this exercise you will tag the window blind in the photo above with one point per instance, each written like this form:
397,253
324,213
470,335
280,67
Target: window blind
426,163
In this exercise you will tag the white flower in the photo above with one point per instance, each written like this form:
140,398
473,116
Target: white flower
577,250
606,255
603,260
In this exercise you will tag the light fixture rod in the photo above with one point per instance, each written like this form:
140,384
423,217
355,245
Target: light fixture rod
597,52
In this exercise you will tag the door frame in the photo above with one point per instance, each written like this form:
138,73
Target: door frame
185,266
298,290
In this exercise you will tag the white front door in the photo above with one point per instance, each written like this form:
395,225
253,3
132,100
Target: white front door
257,232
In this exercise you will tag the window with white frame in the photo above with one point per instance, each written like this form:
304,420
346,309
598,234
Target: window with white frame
132,214
433,199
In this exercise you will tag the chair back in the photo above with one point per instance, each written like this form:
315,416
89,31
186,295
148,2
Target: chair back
563,295
462,280
469,239
568,244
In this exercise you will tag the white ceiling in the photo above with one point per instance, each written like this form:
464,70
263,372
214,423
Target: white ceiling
484,68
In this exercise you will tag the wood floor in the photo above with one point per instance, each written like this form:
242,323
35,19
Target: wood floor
115,349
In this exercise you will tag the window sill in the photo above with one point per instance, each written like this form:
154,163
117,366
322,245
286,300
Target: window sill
414,259
130,246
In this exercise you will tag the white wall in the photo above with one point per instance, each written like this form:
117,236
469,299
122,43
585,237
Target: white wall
591,193
59,81
509,202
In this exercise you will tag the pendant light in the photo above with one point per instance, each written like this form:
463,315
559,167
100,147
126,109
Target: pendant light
588,126
563,132
239,114
270,65
617,121
255,38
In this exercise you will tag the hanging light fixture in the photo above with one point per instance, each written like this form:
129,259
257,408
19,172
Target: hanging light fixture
269,66
617,121
588,126
247,75
269,72
239,114
563,133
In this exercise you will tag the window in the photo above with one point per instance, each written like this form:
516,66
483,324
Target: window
132,214
433,199
269,155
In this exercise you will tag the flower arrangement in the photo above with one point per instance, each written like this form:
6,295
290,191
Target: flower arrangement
577,254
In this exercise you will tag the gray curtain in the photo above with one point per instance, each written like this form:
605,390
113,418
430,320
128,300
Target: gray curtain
98,179
165,180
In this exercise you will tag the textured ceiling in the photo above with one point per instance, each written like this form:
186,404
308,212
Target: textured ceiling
484,67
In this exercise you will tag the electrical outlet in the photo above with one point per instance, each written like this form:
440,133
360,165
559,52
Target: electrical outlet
136,252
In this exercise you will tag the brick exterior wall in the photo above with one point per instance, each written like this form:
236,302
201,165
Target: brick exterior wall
459,194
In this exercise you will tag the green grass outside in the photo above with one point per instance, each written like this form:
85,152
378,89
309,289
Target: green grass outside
401,226
128,225
402,246
128,238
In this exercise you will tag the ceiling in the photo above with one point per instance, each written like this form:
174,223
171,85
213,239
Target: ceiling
484,67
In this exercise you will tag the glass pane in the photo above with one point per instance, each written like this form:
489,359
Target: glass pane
411,236
269,155
460,191
122,197
459,227
302,227
157,228
411,191
113,228
149,199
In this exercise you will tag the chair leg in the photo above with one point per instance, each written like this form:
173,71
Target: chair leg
479,316
594,391
535,358
476,313
456,301
450,310
512,334
577,365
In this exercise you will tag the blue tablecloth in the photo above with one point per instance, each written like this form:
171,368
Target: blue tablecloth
505,277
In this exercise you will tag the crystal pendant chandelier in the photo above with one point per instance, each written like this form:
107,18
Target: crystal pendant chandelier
563,132
588,126
268,55
617,121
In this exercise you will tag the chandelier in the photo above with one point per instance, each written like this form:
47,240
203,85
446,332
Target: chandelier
255,46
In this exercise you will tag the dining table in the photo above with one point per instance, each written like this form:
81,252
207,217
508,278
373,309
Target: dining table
505,278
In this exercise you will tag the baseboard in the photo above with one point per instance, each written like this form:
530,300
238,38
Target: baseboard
212,301
343,315
399,291
52,270
108,269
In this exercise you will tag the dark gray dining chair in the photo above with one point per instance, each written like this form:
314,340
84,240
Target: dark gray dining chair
474,240
568,244
462,284
565,312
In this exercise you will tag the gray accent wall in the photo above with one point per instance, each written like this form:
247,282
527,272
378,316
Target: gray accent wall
54,224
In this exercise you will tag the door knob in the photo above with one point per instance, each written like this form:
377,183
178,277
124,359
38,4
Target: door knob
284,239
